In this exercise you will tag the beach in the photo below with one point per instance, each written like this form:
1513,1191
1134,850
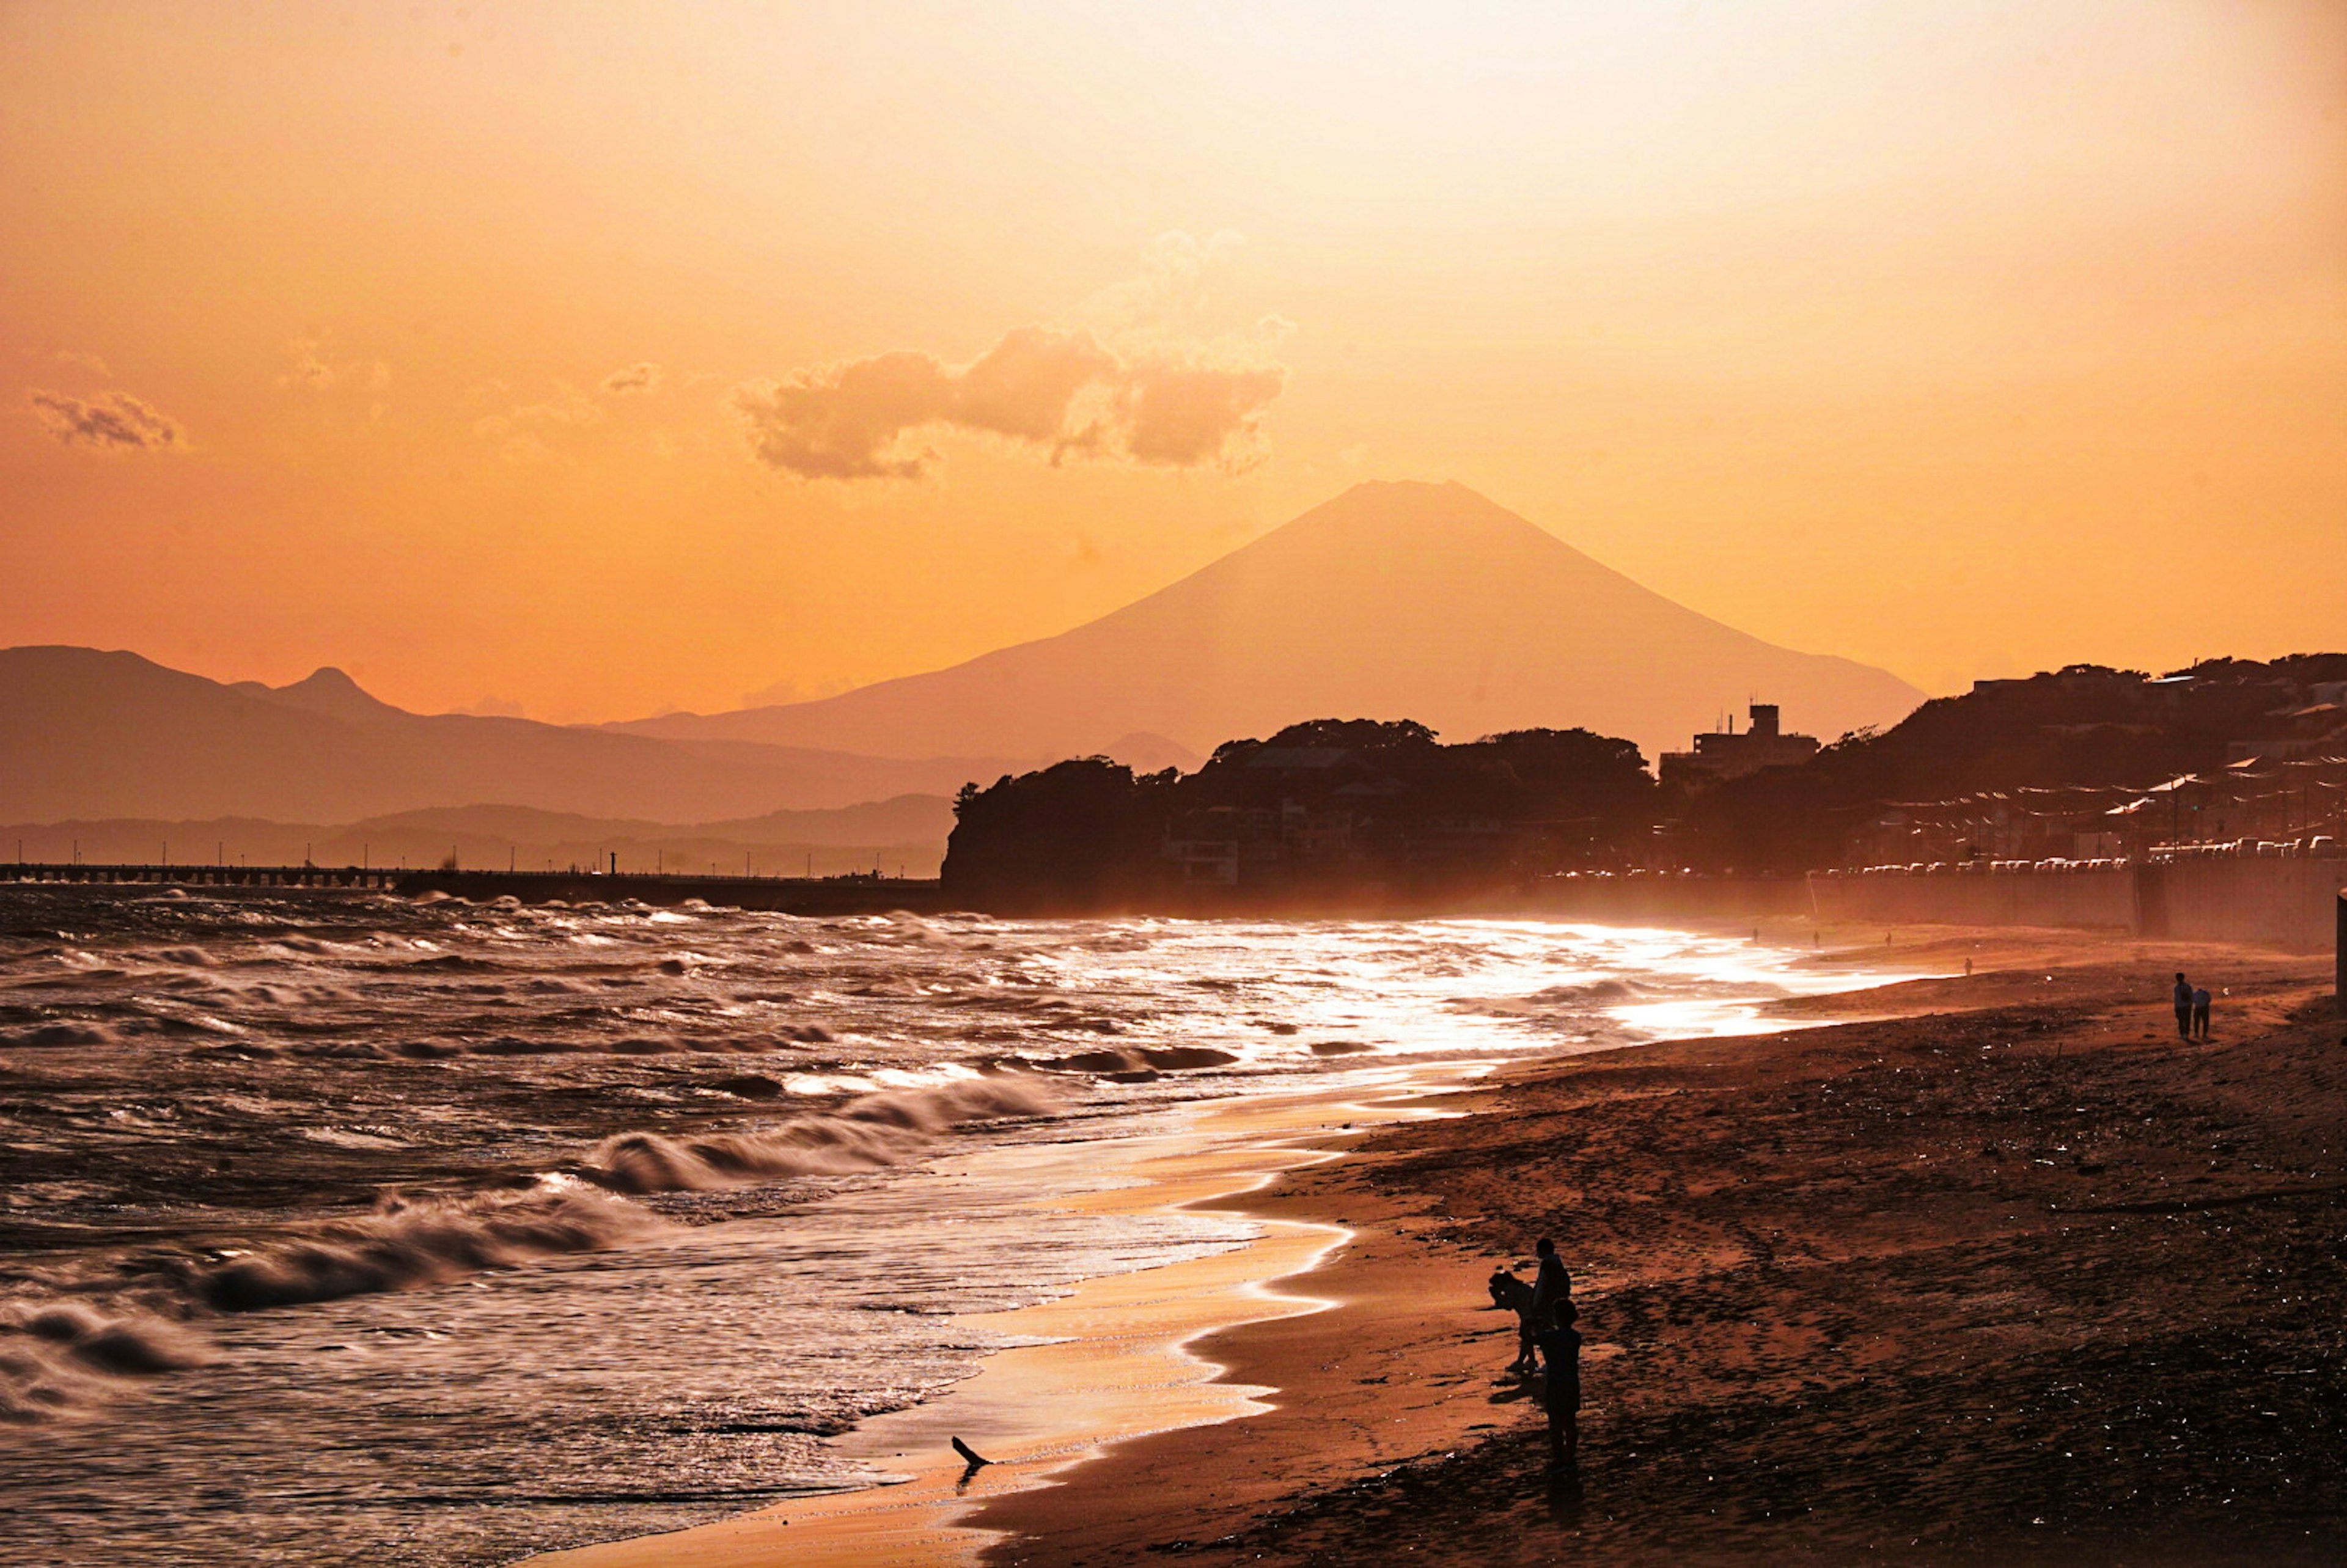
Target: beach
2014,1275
1994,1269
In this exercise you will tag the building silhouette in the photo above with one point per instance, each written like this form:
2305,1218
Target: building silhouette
1725,755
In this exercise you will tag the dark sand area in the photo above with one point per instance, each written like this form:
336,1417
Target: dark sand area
2014,1275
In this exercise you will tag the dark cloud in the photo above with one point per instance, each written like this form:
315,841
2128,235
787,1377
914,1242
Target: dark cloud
111,422
644,377
1063,393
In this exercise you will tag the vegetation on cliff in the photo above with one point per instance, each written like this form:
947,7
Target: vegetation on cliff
1333,807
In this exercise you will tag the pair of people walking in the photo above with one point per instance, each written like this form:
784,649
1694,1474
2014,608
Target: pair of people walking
2192,1006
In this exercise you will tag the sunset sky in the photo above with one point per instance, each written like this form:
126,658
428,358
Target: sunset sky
607,358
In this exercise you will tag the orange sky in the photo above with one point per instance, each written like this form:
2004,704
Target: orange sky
1960,338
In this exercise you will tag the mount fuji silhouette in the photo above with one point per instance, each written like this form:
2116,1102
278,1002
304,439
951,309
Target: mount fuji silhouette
1394,600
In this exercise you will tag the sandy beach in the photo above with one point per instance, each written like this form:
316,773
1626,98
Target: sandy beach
2009,1275
1999,1271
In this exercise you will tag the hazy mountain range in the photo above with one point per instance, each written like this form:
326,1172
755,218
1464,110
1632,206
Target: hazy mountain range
1396,601
1393,600
90,734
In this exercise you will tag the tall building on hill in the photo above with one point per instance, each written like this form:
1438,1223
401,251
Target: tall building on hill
1725,755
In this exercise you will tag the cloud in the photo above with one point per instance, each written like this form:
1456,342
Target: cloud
519,430
1137,382
81,359
112,422
644,377
1060,392
1184,415
525,431
310,370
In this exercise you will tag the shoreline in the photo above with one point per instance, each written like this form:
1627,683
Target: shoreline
1111,1360
1077,1402
1783,1305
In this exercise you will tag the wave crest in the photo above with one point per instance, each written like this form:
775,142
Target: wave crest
57,1357
420,1241
867,1133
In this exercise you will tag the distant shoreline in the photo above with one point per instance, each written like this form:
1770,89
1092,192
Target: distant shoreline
2292,905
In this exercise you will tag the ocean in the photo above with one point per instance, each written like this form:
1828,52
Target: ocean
343,1228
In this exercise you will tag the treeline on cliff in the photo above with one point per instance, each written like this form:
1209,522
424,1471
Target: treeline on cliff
1351,805
1335,806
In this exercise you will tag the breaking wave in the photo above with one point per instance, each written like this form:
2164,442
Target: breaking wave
59,1357
865,1134
421,1241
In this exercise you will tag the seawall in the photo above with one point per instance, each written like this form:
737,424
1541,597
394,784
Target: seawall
2289,904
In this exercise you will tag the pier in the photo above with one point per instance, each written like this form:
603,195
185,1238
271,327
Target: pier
858,894
378,877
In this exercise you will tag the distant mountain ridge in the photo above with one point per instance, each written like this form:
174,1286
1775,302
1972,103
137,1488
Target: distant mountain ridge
91,734
1395,601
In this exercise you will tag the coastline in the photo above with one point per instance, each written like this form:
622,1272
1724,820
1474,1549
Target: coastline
1111,1360
1135,1357
1825,1315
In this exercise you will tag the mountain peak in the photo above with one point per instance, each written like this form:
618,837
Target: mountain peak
1396,599
1413,516
326,677
1414,497
330,690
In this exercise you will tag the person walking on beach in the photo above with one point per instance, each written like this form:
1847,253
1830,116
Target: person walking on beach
1552,1287
2183,1006
2202,1002
1559,1348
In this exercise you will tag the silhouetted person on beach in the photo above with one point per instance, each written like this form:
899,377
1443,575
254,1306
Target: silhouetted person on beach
2183,1006
1513,1294
1560,1348
2202,1002
1552,1287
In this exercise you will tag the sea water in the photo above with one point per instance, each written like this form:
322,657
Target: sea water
342,1228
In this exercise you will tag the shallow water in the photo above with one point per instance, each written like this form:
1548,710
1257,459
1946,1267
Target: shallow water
675,1197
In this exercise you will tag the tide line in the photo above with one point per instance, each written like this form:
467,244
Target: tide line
1116,1359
